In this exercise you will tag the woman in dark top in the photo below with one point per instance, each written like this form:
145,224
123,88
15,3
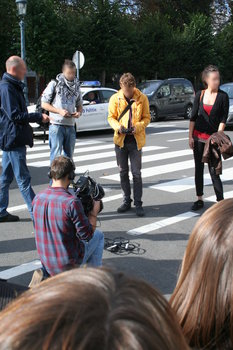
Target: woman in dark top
210,112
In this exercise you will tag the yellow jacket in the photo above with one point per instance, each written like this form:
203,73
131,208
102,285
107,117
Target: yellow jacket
140,116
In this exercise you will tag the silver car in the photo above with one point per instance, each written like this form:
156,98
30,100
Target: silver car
228,88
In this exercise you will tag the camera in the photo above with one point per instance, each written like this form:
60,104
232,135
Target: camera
88,191
127,131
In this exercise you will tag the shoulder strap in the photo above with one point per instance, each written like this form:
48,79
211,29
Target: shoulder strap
126,109
54,91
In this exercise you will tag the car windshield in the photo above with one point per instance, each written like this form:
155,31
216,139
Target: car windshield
228,89
149,88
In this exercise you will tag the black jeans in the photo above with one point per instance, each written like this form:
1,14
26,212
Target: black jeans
199,170
130,151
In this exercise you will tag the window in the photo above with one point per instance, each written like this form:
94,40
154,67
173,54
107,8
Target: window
165,90
93,97
106,95
188,88
178,89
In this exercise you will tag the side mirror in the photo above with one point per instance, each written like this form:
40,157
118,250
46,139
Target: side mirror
86,103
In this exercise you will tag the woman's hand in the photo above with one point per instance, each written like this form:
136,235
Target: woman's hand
191,142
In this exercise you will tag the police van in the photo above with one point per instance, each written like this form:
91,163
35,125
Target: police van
95,107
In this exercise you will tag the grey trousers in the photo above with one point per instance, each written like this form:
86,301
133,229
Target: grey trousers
130,151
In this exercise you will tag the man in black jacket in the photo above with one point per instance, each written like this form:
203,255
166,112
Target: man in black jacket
15,134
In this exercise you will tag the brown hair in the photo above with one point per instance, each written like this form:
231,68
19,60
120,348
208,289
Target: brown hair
209,69
90,309
127,79
61,167
203,297
68,64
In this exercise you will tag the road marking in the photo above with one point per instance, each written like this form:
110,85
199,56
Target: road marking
113,164
175,140
17,208
20,270
91,156
112,198
176,131
162,125
227,195
162,223
188,183
157,170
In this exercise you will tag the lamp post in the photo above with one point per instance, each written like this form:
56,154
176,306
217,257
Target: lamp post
22,10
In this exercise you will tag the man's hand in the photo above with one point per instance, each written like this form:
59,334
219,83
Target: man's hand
45,118
191,142
134,130
120,129
96,208
76,114
64,113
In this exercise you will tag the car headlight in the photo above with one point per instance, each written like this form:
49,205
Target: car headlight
231,109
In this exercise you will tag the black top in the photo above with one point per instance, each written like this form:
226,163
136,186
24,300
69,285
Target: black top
219,113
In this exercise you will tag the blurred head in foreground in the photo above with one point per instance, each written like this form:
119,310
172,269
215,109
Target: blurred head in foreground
90,309
203,297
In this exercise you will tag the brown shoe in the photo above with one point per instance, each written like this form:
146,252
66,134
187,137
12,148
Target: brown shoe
37,277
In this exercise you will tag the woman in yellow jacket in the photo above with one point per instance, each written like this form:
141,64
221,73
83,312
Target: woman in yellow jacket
129,137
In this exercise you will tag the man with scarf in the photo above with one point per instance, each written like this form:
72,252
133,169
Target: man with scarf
65,107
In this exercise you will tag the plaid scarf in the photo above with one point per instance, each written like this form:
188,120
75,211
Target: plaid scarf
67,88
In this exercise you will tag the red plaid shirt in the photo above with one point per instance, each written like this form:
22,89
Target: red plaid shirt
60,227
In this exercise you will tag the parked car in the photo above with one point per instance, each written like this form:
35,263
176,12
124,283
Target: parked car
170,97
228,88
95,107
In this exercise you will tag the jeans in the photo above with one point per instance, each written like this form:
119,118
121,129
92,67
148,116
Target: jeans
94,250
199,171
130,151
61,138
14,164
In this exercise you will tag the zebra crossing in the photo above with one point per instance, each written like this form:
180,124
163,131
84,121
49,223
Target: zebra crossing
168,178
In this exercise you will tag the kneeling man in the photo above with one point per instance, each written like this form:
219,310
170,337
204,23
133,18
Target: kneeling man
65,236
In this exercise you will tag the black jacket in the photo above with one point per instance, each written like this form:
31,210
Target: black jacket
15,130
209,124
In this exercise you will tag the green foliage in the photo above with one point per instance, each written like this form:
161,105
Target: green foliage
152,39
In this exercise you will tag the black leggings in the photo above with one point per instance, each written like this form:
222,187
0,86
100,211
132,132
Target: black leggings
199,170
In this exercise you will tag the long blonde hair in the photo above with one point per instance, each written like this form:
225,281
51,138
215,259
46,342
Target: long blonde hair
203,297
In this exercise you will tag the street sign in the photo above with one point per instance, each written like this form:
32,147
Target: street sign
79,61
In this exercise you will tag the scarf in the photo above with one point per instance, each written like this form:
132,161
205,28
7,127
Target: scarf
67,88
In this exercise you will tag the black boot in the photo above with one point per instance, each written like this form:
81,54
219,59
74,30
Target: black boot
140,211
197,205
124,207
9,218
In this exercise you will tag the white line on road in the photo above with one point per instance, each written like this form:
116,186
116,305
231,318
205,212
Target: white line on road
157,170
91,156
188,183
20,270
176,131
175,140
227,195
162,223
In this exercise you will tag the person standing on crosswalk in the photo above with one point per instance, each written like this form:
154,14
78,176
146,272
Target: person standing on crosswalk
209,115
15,135
129,115
65,107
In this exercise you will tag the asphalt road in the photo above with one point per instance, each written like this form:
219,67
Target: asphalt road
160,237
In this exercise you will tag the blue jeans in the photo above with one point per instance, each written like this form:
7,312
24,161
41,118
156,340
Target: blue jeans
94,250
14,164
61,138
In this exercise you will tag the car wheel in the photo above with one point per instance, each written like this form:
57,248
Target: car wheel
188,112
154,114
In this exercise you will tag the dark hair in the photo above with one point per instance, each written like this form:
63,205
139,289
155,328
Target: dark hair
206,71
128,80
61,167
90,309
203,297
68,64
